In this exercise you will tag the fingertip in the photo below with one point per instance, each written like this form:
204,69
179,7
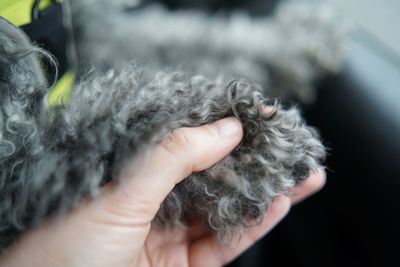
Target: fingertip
317,179
314,183
268,109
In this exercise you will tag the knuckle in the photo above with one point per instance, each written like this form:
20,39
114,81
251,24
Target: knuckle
177,141
179,146
126,213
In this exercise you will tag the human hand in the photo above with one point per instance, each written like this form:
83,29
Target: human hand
116,229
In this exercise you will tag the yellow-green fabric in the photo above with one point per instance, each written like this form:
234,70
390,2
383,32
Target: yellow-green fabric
62,90
19,13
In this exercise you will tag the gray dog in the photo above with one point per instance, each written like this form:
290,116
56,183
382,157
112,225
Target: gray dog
53,157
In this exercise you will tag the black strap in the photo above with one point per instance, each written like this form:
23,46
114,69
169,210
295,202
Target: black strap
47,30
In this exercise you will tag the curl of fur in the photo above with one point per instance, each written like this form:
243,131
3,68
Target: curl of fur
51,159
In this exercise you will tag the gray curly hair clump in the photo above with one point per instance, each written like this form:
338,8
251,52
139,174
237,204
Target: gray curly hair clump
51,158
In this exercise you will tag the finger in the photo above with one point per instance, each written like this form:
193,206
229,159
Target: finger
148,181
312,185
218,254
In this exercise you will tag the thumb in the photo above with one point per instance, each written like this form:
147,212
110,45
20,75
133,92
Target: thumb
147,182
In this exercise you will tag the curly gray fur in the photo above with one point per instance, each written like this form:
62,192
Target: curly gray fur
286,53
51,159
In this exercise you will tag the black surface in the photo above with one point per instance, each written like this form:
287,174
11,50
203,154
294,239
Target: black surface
48,32
253,7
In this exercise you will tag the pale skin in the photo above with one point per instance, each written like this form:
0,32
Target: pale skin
116,229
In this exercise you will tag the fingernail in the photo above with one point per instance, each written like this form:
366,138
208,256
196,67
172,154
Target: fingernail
227,128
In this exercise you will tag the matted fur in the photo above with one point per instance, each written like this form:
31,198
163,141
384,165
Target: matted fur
52,158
